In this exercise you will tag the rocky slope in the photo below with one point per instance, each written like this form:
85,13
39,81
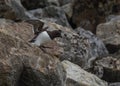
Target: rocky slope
79,58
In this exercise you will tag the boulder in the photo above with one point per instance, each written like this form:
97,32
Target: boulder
64,2
112,36
68,10
12,9
76,76
22,64
31,4
51,14
108,68
89,13
115,84
80,47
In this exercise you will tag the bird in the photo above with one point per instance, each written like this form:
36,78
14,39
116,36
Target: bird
45,36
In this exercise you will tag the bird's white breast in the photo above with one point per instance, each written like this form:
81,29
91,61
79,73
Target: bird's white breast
43,37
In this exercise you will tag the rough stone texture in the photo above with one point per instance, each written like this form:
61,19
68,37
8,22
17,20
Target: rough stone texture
80,47
64,2
21,30
51,14
31,4
89,13
76,76
22,64
109,32
12,9
68,10
112,36
115,84
108,68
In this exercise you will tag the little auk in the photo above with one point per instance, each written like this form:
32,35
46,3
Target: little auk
45,36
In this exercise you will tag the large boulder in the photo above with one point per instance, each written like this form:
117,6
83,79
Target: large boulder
80,47
13,9
89,13
109,32
108,68
51,14
22,64
76,76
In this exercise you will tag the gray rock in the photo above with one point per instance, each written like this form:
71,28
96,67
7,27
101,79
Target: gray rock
76,76
80,47
115,84
109,32
51,14
64,2
68,10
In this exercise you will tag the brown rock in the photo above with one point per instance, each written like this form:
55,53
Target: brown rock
110,68
91,11
22,64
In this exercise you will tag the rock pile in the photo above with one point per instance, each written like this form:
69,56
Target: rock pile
79,58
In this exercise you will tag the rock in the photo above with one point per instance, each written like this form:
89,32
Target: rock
31,4
52,14
76,76
64,2
22,64
112,36
110,68
112,18
13,9
92,12
115,84
68,10
54,2
21,30
80,47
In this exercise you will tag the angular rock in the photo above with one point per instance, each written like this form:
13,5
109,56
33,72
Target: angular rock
68,10
80,47
22,64
64,2
112,36
31,4
20,30
12,9
115,84
76,76
89,13
110,69
51,14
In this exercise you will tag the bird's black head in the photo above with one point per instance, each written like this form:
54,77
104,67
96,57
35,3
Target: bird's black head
55,33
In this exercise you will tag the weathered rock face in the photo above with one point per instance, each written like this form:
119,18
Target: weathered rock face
64,2
108,69
78,77
22,64
12,9
89,13
112,36
51,14
31,4
68,10
115,84
80,47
